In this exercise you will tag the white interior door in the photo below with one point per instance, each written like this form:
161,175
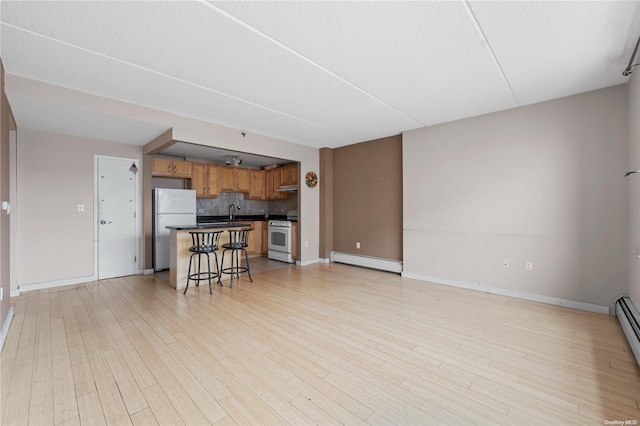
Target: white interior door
117,237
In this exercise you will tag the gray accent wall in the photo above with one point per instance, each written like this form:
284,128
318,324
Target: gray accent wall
540,183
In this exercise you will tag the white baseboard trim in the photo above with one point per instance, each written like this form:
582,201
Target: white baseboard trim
307,262
15,292
5,327
147,271
512,293
58,283
323,260
367,261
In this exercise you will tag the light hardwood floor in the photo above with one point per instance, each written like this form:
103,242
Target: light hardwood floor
323,344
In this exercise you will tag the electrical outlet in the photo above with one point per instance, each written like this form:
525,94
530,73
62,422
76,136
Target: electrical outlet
80,208
306,244
358,244
200,210
528,265
506,263
1,293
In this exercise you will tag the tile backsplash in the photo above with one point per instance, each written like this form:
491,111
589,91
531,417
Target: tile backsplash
220,206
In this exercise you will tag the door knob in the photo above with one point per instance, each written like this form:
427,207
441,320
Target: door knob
104,222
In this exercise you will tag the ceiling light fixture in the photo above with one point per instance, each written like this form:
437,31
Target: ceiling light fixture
232,160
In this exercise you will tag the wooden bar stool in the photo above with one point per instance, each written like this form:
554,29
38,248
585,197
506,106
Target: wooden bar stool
238,241
204,243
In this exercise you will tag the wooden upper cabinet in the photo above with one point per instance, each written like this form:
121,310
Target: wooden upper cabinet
257,185
182,168
234,179
214,181
200,180
289,175
274,183
268,185
243,179
206,180
162,167
171,168
227,180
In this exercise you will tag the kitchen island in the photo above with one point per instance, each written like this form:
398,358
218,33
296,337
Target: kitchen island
180,242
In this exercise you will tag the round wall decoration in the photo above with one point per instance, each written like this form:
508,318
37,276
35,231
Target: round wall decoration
311,179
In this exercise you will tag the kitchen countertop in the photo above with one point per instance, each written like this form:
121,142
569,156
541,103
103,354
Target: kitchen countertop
209,225
250,218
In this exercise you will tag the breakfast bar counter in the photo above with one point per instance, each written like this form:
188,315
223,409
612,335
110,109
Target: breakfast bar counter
180,242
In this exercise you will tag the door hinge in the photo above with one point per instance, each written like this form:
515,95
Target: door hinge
135,258
135,214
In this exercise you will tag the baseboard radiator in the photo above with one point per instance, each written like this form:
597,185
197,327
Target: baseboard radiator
629,318
367,261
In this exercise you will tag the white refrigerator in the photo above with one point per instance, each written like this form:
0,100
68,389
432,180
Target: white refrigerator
171,207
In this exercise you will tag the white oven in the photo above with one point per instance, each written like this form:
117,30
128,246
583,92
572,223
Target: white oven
280,240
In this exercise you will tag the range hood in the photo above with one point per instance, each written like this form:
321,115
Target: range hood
287,188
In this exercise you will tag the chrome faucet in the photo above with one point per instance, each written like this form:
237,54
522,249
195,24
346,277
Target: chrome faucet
232,209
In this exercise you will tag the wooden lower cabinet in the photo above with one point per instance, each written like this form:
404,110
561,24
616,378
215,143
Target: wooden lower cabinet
265,238
294,241
255,239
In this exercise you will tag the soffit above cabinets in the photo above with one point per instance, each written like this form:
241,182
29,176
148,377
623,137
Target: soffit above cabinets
317,73
219,156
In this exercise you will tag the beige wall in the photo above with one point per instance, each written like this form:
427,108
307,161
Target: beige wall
5,124
55,173
633,185
540,183
367,198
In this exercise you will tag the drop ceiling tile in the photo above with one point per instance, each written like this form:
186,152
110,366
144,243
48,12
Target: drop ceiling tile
83,71
321,73
425,59
191,42
557,49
